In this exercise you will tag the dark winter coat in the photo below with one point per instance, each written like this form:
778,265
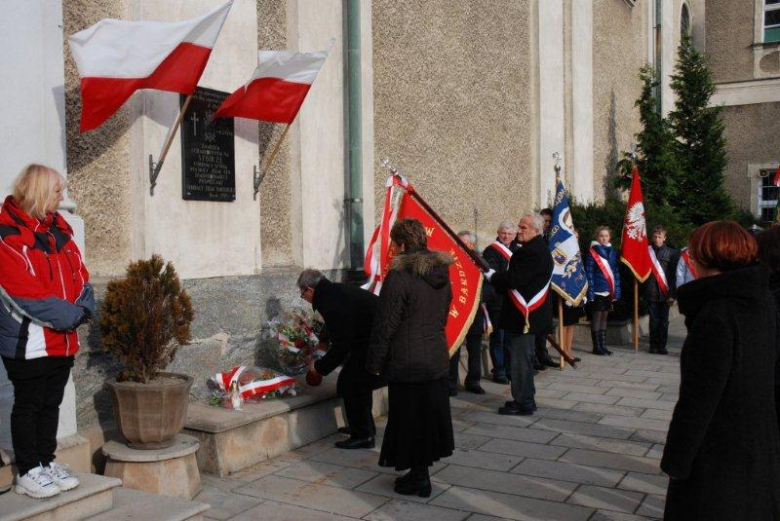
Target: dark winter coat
348,313
723,446
597,283
496,261
667,258
774,287
529,270
408,342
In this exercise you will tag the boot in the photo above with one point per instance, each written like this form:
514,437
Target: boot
653,349
662,350
544,357
594,336
603,342
418,483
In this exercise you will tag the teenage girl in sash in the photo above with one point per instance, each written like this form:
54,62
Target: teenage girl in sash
601,268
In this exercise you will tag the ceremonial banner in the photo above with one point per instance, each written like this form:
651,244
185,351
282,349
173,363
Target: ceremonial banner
277,88
568,279
634,248
402,202
117,57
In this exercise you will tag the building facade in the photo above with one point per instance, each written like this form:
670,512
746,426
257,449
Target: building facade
469,99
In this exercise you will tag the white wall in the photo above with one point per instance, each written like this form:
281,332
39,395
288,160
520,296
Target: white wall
202,238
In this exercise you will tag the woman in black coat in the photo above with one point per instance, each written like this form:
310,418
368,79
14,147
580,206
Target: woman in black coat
769,251
722,452
408,346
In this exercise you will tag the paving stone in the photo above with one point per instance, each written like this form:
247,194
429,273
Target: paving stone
647,483
606,370
635,423
669,389
574,388
612,461
315,496
606,515
650,436
555,403
606,498
224,505
581,441
397,510
383,484
633,393
522,448
360,459
550,393
466,441
571,379
482,460
592,398
632,378
617,410
508,506
616,384
480,517
459,425
327,474
511,433
652,506
226,484
494,418
273,511
567,414
582,428
264,468
670,397
515,484
569,472
656,451
657,414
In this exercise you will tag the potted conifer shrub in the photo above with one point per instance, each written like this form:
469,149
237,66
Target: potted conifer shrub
145,317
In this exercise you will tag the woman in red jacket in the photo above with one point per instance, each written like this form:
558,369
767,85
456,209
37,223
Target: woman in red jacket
44,296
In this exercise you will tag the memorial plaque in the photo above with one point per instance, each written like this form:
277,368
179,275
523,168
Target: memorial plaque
208,154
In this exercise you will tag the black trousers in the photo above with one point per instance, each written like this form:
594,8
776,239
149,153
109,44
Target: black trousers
474,373
356,387
523,389
39,385
659,323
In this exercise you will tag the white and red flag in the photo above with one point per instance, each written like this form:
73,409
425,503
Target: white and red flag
403,202
115,58
634,245
277,88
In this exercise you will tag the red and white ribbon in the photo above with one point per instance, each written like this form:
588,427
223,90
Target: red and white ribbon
503,250
686,256
606,270
528,307
658,271
225,381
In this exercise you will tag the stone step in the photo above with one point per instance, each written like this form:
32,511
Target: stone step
234,440
142,506
93,496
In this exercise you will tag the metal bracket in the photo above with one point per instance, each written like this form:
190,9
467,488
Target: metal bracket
257,179
154,171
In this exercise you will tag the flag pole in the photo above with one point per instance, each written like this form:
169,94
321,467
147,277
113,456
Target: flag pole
259,176
154,168
636,316
560,331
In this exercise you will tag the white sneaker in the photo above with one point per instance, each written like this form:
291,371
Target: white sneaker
36,483
60,476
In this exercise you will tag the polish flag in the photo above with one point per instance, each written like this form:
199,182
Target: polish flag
117,57
777,177
277,88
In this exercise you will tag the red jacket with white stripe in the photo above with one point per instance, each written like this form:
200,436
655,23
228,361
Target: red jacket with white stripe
44,286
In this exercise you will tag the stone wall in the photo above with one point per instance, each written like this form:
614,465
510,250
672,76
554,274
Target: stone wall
752,137
729,30
469,71
618,54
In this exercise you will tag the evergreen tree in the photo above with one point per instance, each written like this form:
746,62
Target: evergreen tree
656,155
699,194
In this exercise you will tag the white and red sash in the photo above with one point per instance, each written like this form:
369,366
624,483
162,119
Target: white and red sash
686,257
658,271
606,270
225,380
528,307
503,250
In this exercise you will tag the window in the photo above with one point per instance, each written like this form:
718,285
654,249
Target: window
771,21
685,21
767,196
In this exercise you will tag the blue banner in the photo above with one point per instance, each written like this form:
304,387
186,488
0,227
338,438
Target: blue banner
569,273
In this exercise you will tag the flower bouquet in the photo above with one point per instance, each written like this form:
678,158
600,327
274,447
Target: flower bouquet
299,340
248,384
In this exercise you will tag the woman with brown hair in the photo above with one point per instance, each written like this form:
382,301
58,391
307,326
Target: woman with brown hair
408,346
722,451
44,296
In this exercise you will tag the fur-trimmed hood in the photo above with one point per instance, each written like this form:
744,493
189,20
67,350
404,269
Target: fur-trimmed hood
431,266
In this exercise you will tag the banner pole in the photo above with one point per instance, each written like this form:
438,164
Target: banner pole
154,168
636,315
560,332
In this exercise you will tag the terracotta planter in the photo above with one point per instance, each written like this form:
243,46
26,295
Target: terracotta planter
150,415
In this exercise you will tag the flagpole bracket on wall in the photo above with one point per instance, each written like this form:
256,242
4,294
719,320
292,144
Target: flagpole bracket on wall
257,180
154,171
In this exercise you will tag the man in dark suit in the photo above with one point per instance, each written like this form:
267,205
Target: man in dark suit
526,309
348,312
